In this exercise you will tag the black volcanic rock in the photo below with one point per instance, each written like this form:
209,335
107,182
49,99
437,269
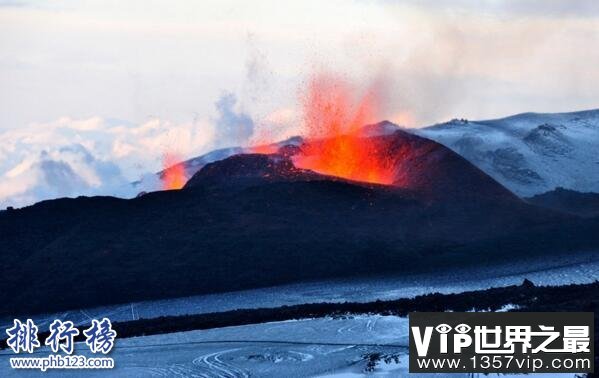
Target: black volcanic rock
568,201
256,220
528,284
548,140
431,169
250,169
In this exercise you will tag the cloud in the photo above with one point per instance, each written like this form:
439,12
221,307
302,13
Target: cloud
487,59
13,3
232,127
514,8
474,59
67,171
103,156
96,156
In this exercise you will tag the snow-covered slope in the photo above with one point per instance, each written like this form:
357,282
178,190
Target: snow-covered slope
339,347
529,153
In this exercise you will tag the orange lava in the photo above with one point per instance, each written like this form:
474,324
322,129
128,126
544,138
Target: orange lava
334,117
264,149
262,143
174,172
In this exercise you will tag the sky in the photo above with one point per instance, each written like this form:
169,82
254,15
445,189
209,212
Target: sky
93,94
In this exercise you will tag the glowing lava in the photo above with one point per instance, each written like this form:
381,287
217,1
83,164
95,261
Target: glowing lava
264,149
174,172
334,119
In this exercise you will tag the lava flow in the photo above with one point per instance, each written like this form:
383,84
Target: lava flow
174,172
334,122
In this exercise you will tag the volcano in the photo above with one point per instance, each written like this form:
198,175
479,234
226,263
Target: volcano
412,165
252,220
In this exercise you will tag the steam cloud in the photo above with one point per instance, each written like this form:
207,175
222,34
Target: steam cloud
233,128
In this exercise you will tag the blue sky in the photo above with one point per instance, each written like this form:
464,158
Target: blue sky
127,80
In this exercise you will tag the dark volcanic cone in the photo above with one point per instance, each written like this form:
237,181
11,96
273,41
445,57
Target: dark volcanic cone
426,169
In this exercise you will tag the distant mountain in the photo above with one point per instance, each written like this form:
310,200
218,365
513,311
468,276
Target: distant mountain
255,220
529,153
569,201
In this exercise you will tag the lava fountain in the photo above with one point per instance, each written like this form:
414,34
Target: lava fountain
334,119
174,172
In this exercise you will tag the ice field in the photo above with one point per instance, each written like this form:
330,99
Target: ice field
324,347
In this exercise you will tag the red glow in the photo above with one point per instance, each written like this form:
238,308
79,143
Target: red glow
174,172
262,143
264,149
333,118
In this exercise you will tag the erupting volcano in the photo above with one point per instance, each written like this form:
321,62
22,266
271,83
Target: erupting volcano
335,145
174,172
334,139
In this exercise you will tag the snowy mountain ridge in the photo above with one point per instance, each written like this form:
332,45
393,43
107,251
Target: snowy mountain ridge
529,153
